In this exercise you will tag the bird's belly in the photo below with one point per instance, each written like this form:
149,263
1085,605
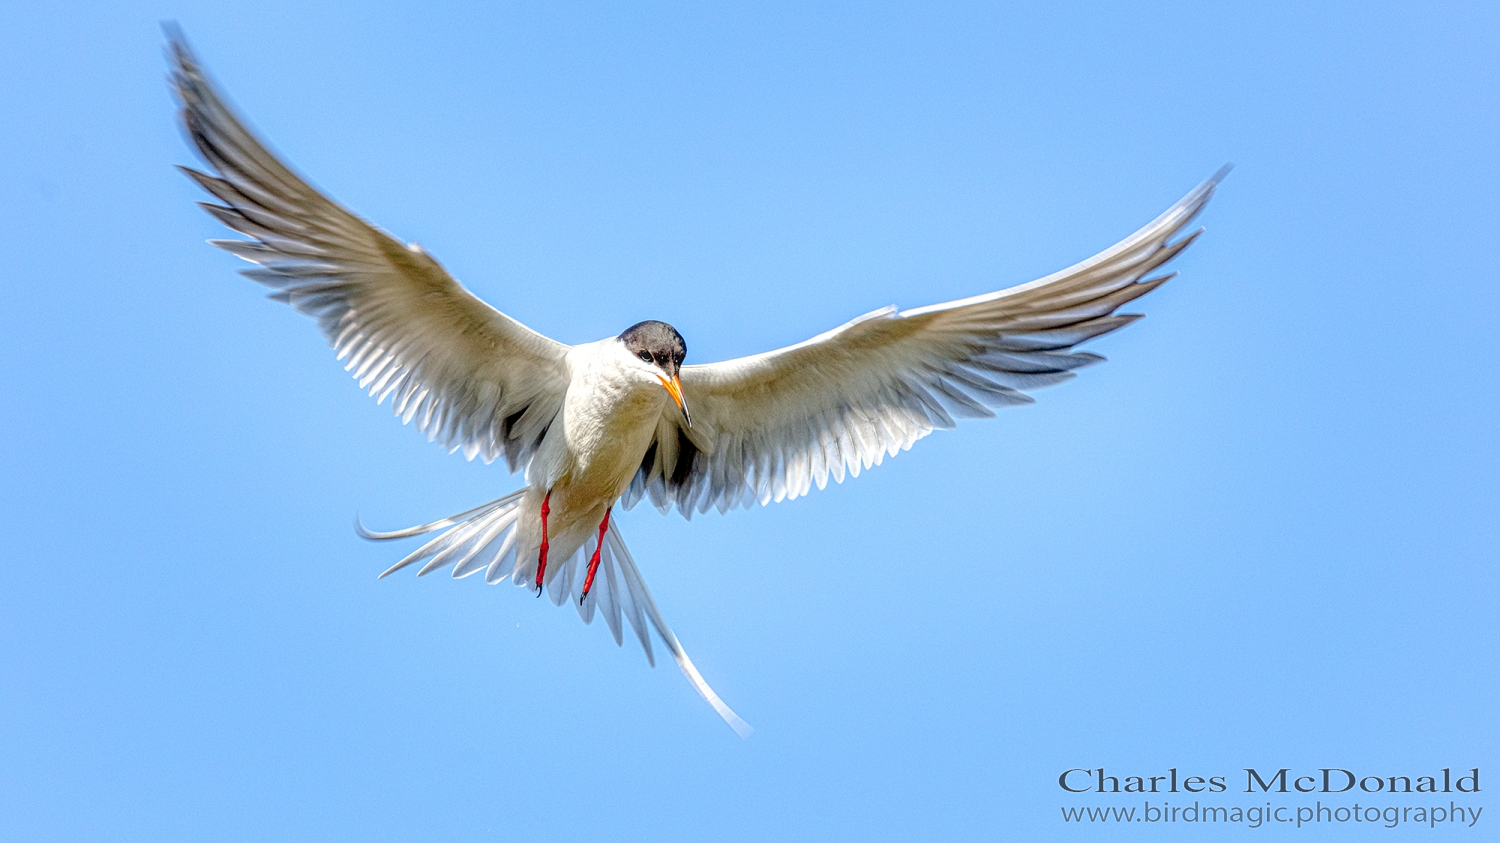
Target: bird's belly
607,447
603,437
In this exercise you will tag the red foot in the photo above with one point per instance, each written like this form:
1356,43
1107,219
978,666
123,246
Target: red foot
588,581
541,562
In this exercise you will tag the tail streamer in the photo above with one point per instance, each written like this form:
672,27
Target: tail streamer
484,539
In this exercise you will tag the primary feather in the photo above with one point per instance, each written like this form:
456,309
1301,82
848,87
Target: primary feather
469,376
770,426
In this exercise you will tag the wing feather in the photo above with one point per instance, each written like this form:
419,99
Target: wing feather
471,377
771,426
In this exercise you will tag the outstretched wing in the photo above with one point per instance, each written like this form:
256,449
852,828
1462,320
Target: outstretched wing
470,376
769,426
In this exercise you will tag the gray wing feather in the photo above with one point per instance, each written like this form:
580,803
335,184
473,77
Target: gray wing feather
470,377
770,426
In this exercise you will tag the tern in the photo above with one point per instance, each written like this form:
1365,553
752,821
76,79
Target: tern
609,423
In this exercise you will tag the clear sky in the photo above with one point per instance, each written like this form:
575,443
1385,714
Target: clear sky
1264,534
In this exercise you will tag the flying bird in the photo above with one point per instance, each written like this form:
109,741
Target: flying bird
606,424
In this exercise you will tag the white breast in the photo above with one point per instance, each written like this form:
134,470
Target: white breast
608,418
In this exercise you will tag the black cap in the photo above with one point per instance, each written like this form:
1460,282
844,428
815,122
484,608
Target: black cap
658,342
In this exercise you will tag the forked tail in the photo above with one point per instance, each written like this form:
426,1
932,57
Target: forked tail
484,539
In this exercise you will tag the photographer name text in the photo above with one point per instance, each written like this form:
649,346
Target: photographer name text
1282,780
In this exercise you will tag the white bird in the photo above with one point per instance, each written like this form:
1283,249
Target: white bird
608,422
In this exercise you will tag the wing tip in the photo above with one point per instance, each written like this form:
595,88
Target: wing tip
179,53
176,38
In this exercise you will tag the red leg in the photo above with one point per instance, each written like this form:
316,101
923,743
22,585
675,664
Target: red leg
541,562
588,581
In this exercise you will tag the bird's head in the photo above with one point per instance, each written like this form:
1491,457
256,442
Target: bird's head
659,346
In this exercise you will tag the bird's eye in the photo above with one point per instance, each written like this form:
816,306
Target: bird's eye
646,356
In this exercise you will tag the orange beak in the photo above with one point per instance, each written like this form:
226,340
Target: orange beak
674,389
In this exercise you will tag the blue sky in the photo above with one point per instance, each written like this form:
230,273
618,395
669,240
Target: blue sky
1263,534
